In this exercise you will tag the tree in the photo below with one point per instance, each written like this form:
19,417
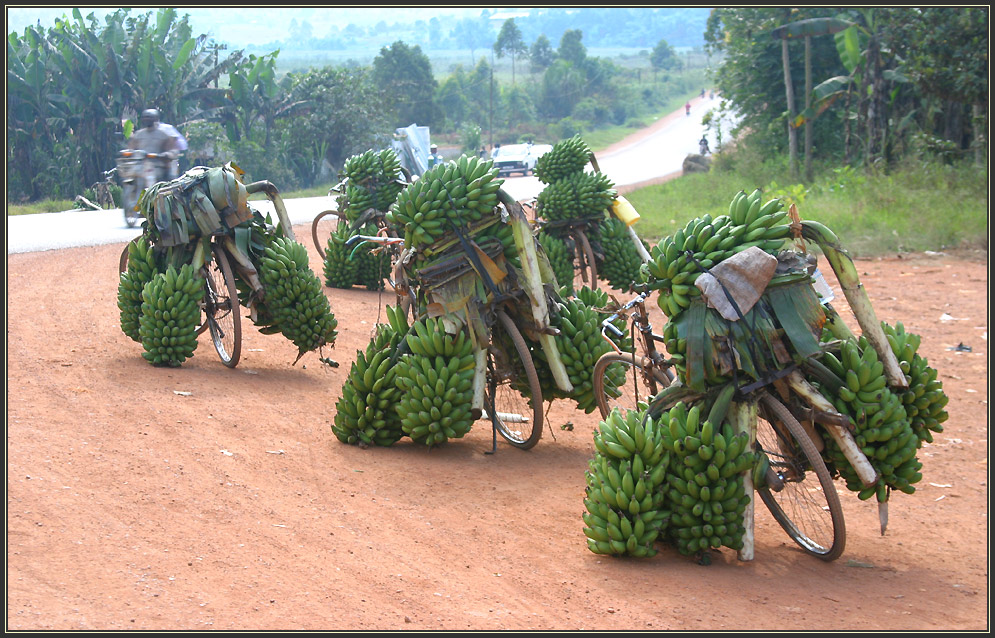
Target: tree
472,34
571,48
806,29
344,113
541,54
70,87
509,41
663,57
405,73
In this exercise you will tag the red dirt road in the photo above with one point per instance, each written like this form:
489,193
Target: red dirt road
143,498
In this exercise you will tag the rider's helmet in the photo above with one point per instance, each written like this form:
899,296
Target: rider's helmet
149,117
433,148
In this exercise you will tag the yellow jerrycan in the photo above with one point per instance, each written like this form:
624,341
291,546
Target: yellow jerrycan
625,211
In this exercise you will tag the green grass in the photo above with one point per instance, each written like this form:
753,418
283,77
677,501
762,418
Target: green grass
41,206
913,209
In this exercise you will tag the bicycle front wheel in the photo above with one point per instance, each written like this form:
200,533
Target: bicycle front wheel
623,380
518,418
129,204
222,310
800,494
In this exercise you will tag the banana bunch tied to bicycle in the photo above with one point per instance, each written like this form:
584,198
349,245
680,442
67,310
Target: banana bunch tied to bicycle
626,507
365,412
294,304
678,260
371,183
890,424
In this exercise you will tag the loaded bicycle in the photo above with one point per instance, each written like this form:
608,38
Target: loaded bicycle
216,257
777,367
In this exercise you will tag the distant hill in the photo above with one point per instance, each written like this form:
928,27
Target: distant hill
433,29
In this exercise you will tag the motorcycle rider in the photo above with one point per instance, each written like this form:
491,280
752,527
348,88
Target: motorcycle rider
152,138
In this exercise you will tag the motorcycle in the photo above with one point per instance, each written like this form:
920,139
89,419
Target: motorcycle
136,171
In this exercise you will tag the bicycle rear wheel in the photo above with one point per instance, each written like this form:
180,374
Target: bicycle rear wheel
322,227
804,502
623,380
517,417
222,310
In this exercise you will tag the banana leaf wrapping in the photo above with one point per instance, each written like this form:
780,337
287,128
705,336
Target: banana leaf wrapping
200,203
782,328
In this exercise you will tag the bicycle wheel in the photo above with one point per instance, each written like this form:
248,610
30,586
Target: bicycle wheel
319,229
587,267
222,310
623,380
129,204
804,502
516,417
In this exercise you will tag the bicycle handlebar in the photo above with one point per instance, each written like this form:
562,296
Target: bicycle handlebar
386,241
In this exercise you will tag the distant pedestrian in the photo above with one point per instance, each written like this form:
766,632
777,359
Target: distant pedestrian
703,94
483,153
496,151
434,157
687,109
703,146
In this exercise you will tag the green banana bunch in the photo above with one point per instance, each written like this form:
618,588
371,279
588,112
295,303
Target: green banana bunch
705,475
339,269
621,263
924,399
457,192
141,269
170,315
365,413
566,158
580,344
677,261
435,381
560,259
626,509
576,197
882,427
372,180
294,298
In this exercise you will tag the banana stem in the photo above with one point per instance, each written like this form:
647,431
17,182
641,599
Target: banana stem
856,295
743,418
243,264
639,244
525,242
268,189
883,516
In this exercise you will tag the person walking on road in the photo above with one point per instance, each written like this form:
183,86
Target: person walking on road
703,146
687,109
433,156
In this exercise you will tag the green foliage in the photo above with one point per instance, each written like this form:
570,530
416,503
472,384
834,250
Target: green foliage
914,208
663,57
403,70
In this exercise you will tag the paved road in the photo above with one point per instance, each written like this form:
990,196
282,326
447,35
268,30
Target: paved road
660,153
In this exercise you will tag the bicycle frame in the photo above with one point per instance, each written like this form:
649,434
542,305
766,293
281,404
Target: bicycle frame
635,310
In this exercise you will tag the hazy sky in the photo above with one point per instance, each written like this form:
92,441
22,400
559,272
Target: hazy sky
245,25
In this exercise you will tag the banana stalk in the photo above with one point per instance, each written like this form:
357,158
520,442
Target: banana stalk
855,294
268,189
639,244
525,242
243,265
743,418
865,471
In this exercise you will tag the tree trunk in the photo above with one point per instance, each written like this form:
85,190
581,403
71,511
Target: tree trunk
792,131
978,126
808,104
